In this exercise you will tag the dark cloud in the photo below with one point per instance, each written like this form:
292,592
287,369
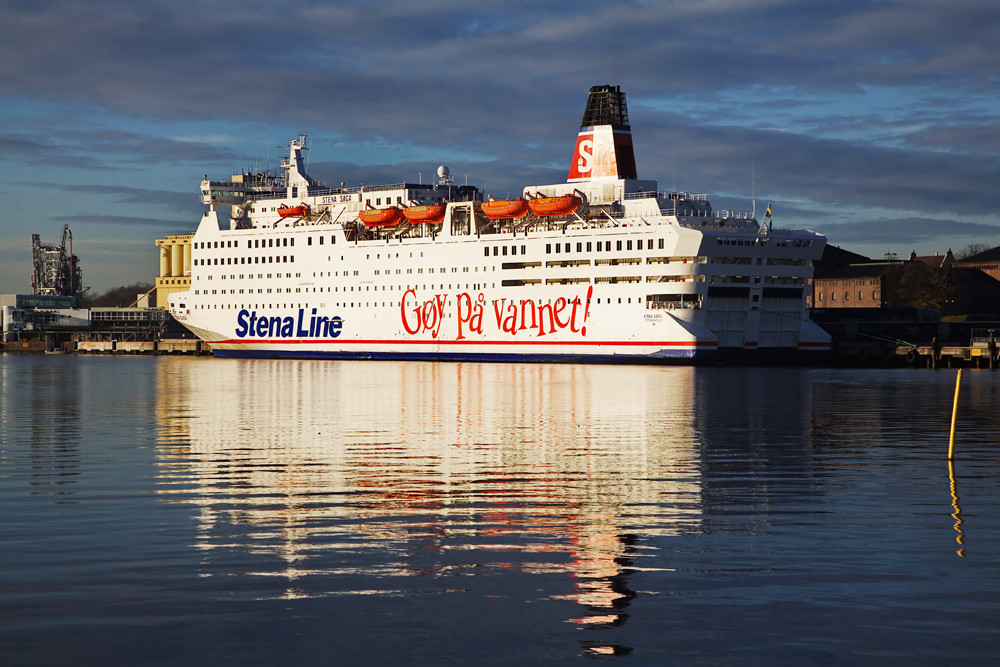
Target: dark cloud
186,202
182,226
104,149
901,231
982,137
385,60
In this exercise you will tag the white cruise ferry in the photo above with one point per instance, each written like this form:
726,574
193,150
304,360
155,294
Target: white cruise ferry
603,267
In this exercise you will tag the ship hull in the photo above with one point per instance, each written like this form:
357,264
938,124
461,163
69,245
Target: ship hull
437,298
776,357
680,356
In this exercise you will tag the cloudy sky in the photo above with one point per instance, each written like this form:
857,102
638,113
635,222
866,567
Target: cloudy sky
874,123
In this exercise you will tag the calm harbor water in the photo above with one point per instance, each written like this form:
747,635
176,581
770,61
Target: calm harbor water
164,511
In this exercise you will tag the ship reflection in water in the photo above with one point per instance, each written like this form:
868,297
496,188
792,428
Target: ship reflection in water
421,513
341,478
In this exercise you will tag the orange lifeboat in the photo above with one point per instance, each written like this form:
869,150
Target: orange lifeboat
381,217
293,211
431,213
505,208
563,205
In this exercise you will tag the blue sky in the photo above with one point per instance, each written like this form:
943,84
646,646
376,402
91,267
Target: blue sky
874,123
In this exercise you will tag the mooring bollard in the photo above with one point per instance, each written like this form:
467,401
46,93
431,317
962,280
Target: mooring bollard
954,416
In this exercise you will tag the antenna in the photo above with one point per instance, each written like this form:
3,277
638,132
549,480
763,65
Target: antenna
753,184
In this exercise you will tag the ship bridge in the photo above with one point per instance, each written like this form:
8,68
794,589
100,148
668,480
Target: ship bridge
242,188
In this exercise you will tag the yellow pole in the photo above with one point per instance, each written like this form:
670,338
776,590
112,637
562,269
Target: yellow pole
954,416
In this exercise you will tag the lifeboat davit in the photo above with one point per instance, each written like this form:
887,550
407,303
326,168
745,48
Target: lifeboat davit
505,208
563,205
381,217
431,213
293,211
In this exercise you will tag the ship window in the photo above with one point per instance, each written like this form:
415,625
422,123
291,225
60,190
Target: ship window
579,247
524,250
590,246
309,240
558,248
495,251
660,246
628,245
548,248
505,251
486,252
619,246
321,240
567,247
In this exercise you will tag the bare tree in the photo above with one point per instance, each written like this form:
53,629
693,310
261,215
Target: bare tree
118,297
971,250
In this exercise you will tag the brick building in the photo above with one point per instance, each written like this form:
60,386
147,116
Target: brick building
860,285
988,262
846,280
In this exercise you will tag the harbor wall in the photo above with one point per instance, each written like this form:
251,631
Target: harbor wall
184,346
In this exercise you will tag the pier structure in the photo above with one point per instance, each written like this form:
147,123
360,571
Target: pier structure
980,353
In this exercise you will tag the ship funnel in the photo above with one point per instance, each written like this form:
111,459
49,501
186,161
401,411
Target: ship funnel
604,144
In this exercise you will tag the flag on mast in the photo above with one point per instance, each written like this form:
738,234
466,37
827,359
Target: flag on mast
767,215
